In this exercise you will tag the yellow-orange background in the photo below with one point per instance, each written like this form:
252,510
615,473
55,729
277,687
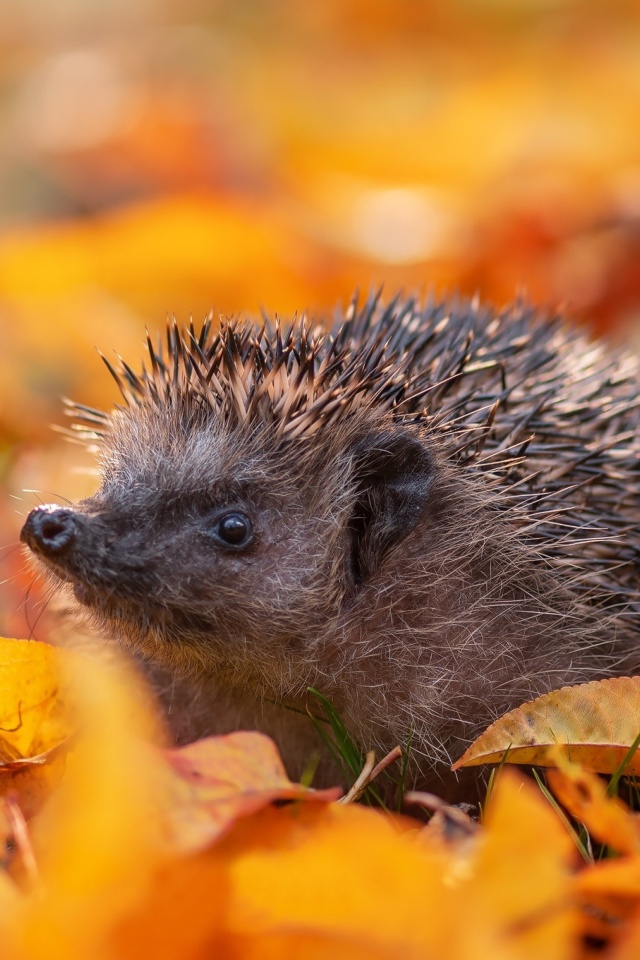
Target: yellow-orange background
163,157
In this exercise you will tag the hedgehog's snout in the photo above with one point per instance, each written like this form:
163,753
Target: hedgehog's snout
50,530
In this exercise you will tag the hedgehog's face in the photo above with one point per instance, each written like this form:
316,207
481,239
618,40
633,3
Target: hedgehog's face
214,546
217,571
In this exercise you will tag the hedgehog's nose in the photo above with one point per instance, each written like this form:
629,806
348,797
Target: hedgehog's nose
49,530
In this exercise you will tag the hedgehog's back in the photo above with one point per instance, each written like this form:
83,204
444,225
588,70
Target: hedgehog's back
550,416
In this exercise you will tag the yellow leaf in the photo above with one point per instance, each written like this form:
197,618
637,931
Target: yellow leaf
598,720
35,720
99,838
186,911
179,915
312,879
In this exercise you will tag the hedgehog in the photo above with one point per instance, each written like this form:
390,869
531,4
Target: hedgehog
429,513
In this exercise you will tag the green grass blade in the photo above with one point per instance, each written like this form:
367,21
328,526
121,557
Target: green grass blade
612,789
562,815
348,750
346,753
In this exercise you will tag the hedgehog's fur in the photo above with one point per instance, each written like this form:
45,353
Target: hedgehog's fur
447,513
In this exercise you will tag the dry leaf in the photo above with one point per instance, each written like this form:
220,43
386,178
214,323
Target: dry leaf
180,915
331,872
343,872
598,720
304,880
36,720
98,840
519,902
585,796
628,946
216,780
608,893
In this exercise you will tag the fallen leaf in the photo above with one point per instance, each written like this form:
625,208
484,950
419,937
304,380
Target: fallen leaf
346,875
608,893
330,872
36,720
195,906
519,901
585,796
179,916
98,840
218,779
628,946
598,721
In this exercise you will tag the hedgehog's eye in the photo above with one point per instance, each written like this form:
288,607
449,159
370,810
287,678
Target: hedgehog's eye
234,529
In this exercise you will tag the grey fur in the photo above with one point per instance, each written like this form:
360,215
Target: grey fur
446,514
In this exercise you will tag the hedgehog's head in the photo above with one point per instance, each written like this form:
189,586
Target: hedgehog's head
251,485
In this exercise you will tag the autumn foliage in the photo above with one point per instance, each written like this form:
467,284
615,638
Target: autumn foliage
165,158
211,851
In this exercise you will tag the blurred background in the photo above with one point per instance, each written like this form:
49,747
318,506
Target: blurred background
162,157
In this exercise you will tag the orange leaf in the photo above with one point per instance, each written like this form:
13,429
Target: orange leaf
519,901
314,880
616,876
319,881
608,893
628,948
179,917
585,797
598,720
332,872
219,779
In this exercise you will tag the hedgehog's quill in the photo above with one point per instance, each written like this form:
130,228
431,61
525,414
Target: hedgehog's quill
431,515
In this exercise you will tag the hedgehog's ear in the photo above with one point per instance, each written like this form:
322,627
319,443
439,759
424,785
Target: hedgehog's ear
394,473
